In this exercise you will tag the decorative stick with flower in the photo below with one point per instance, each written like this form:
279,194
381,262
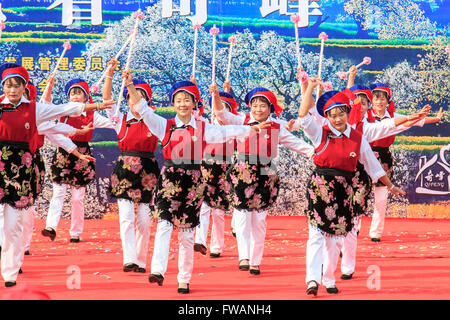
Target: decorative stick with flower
66,47
301,74
96,87
139,16
343,75
322,36
232,41
214,31
196,28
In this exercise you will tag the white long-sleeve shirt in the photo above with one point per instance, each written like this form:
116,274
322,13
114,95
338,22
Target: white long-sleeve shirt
213,133
366,156
285,137
58,134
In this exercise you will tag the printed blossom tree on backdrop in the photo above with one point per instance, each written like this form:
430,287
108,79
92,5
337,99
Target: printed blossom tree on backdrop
396,18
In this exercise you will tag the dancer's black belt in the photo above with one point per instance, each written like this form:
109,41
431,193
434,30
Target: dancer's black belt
334,172
185,163
140,154
225,158
253,159
16,144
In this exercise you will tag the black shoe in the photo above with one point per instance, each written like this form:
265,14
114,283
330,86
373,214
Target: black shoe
200,248
130,267
375,239
357,233
10,284
340,254
312,289
244,267
255,271
214,255
27,253
153,277
140,270
332,290
183,290
20,271
74,239
49,232
233,233
346,276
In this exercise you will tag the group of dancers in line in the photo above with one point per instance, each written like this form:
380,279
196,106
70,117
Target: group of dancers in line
209,167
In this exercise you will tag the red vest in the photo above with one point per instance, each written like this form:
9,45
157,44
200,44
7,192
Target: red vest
263,144
37,143
385,142
184,143
78,123
135,136
338,153
18,124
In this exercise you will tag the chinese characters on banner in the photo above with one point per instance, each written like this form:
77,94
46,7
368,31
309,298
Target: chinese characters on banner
72,10
433,177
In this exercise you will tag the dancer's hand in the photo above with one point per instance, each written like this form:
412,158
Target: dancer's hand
290,125
262,125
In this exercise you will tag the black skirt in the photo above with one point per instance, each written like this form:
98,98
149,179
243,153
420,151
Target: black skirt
17,170
217,187
69,169
179,195
330,198
384,155
134,177
253,186
39,172
362,188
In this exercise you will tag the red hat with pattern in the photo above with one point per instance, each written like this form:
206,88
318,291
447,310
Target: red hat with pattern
269,95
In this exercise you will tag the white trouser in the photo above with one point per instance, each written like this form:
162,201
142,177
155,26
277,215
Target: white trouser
381,198
56,205
250,234
349,246
232,223
161,251
217,229
134,243
12,248
27,226
2,209
321,251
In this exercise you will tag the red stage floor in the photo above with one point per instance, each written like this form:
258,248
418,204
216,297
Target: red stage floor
413,260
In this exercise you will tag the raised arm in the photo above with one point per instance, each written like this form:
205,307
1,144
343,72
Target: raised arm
351,76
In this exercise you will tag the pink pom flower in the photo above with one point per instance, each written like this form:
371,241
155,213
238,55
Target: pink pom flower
447,49
138,14
67,45
2,26
295,18
232,39
367,60
197,27
133,32
303,76
214,31
327,86
323,36
342,75
95,89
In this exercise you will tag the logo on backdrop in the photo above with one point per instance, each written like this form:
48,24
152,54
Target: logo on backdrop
434,174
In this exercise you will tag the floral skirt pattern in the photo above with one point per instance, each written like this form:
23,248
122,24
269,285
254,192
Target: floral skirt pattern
217,187
69,169
134,178
253,186
39,172
384,155
362,188
17,183
330,203
179,196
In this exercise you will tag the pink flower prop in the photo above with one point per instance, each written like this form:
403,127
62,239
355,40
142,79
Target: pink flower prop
197,27
67,45
232,39
342,75
133,32
295,18
303,76
447,49
323,36
327,86
2,26
367,60
95,89
139,15
214,31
